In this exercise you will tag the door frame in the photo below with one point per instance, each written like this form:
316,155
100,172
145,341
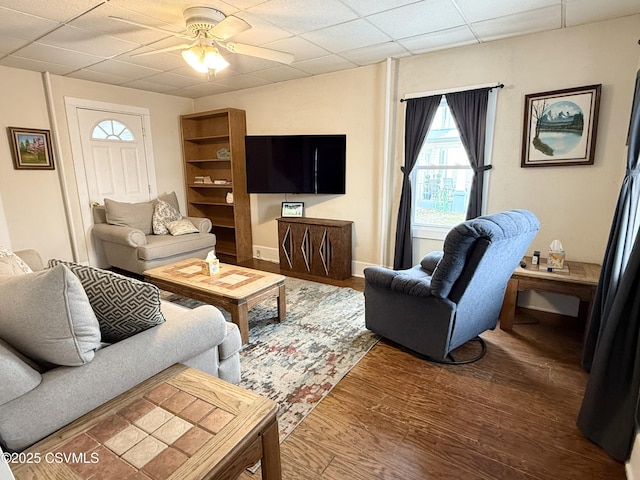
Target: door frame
72,105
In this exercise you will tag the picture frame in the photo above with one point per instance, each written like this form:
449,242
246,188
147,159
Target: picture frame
560,127
292,209
31,148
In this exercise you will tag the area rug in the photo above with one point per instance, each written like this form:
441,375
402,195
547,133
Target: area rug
297,362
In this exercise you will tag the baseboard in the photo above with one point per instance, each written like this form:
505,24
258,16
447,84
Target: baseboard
268,254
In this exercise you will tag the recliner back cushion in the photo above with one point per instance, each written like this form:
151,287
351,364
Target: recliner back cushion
134,215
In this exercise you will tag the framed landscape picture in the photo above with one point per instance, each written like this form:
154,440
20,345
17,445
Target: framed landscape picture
560,127
31,149
292,209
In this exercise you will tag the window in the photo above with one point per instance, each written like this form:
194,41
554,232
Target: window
442,176
112,130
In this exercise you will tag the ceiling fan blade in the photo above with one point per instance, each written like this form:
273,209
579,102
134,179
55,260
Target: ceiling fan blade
229,27
259,52
167,49
149,27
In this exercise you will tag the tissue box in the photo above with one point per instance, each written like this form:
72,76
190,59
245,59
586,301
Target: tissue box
555,259
210,267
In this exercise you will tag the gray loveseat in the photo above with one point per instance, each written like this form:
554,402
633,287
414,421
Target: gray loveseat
37,398
124,234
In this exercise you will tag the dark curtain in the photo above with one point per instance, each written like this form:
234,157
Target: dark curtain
469,110
609,407
418,118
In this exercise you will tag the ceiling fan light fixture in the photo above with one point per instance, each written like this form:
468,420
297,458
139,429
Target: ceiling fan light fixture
213,60
194,56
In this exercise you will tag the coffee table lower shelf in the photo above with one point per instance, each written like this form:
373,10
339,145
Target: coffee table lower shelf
180,424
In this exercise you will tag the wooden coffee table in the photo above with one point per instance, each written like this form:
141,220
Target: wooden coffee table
236,289
180,424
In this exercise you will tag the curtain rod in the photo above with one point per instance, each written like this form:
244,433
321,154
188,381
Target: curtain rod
409,96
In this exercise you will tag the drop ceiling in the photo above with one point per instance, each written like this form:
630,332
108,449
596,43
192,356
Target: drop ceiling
78,39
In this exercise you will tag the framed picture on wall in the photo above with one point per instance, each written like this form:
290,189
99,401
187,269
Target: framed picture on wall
31,148
292,209
560,127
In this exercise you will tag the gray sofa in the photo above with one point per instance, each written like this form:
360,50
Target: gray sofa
37,399
124,234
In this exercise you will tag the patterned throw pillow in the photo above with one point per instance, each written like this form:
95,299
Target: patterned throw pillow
164,214
124,306
182,227
11,264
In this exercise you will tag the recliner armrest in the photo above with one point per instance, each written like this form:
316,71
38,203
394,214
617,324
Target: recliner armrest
202,224
414,281
131,237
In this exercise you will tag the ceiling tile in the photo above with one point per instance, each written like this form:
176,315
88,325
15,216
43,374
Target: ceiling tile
586,11
453,37
63,11
60,56
247,64
475,11
9,44
369,7
280,74
204,89
116,67
375,53
149,86
85,41
172,79
35,65
98,77
300,48
519,24
241,4
330,63
159,61
166,11
346,36
418,18
20,25
247,81
299,16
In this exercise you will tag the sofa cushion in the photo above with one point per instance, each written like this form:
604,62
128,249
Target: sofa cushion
181,227
47,316
134,215
163,246
164,214
11,264
124,306
171,199
16,376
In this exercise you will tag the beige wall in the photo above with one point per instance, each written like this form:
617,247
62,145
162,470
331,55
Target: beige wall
32,200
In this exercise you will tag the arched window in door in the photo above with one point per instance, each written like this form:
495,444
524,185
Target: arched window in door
112,130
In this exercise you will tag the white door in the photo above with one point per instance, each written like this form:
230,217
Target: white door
113,151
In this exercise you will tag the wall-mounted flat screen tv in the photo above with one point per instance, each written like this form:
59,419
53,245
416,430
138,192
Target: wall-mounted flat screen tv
296,163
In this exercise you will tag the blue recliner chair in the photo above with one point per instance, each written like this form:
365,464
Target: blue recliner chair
452,296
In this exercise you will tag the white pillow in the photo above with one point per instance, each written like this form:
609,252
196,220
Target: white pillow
47,316
181,227
11,264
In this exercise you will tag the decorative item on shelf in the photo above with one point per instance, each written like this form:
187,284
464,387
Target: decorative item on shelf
207,179
211,264
198,179
229,197
223,154
292,209
222,181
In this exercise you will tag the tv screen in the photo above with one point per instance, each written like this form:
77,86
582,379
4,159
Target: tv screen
296,163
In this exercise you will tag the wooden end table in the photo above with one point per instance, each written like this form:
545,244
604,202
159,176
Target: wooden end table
236,289
578,279
180,424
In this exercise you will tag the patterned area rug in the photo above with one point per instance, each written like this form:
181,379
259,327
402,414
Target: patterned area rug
297,362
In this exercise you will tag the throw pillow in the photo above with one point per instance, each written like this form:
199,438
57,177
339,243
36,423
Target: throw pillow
46,315
17,376
134,215
164,214
181,227
11,264
124,306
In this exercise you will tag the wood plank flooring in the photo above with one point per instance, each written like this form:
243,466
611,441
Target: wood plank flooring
510,415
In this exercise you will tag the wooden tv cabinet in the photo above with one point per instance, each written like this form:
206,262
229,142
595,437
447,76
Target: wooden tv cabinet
315,246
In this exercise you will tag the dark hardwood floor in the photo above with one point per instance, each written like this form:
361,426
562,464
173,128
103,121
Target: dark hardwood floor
510,415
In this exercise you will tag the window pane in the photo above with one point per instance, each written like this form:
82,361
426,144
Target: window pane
112,130
441,193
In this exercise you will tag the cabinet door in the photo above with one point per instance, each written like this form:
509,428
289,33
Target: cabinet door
295,247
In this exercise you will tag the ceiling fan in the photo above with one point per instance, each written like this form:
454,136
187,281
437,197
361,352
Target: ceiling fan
206,29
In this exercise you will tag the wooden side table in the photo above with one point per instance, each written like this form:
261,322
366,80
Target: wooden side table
578,279
180,424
